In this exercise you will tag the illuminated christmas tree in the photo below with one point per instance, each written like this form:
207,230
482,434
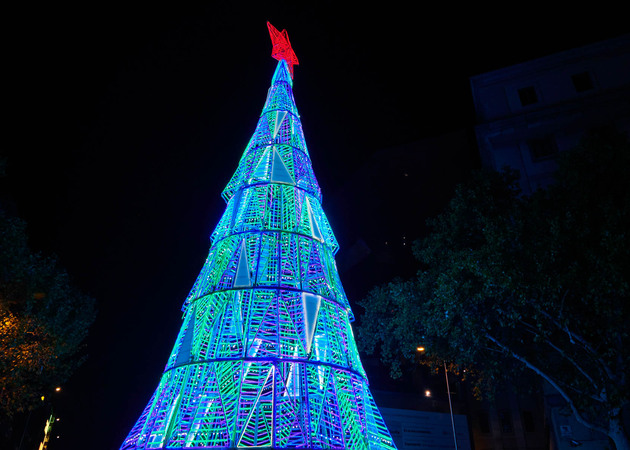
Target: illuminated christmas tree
266,356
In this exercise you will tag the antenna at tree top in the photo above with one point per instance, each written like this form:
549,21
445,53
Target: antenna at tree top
282,47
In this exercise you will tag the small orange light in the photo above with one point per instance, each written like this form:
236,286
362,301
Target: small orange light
427,393
57,389
420,349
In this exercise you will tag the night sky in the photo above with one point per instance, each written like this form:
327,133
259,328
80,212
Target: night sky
127,122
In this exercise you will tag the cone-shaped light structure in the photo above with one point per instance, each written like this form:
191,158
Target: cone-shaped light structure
266,357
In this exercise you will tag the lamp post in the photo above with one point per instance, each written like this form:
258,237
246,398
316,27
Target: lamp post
421,349
450,405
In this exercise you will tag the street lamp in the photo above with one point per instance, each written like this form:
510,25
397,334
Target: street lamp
450,406
421,349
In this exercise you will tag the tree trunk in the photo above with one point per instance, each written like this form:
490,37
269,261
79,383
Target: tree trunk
617,434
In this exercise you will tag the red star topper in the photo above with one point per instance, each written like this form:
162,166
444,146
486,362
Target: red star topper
282,47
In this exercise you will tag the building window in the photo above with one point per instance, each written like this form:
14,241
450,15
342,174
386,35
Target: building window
528,422
542,148
527,95
582,82
484,422
505,418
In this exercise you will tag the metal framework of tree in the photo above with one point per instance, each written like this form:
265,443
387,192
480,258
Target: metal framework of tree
266,356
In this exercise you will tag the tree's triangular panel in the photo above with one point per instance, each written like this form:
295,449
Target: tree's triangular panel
255,167
286,153
238,313
324,226
262,309
304,176
172,418
208,424
349,343
214,270
284,135
261,172
282,74
242,263
235,209
311,304
320,350
296,136
291,414
246,165
267,207
223,337
144,435
267,98
255,416
279,171
313,272
209,311
280,116
247,300
228,375
377,432
338,293
201,286
329,431
303,219
243,277
316,381
135,438
165,403
229,336
265,341
289,261
293,379
273,212
353,427
199,382
290,325
184,353
281,98
326,338
337,318
307,220
253,209
228,258
289,215
268,264
237,215
315,231
225,224
263,135
297,435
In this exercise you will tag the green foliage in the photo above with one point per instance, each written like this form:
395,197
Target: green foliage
512,283
44,320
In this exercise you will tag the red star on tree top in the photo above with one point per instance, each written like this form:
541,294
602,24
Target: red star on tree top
282,47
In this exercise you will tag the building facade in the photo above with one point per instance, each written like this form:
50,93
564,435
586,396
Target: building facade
529,112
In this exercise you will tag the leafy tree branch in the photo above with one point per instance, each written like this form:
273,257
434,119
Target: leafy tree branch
509,282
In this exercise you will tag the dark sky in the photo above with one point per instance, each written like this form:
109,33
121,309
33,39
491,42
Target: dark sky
127,122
